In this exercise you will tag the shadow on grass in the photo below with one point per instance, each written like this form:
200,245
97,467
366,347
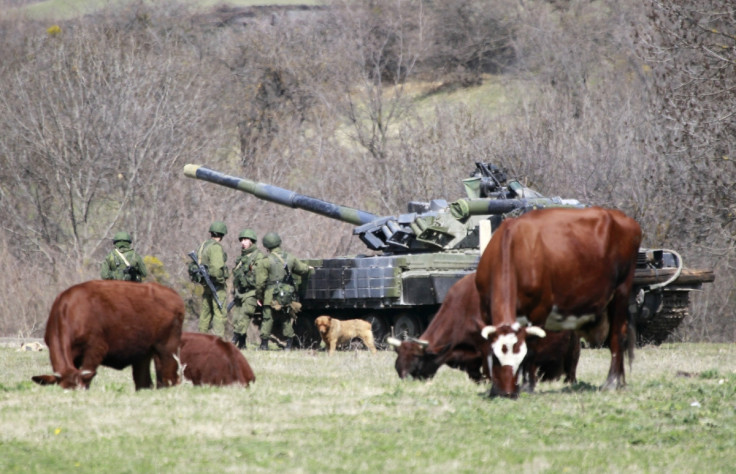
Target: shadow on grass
577,387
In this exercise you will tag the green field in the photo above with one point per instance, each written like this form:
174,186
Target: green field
308,412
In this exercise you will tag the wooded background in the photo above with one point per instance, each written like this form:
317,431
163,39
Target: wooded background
369,104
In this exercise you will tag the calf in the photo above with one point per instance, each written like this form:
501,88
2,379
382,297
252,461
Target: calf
210,360
562,269
555,355
115,324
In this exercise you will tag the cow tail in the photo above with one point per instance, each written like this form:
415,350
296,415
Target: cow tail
630,338
60,340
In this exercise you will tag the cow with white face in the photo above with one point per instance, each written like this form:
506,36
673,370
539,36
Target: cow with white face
455,338
507,350
561,269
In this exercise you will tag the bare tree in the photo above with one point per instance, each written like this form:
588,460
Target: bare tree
467,39
97,125
690,48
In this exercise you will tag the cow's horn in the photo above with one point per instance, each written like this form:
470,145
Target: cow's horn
535,331
421,342
487,331
393,341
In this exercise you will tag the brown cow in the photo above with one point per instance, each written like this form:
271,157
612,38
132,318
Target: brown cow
553,356
210,360
454,338
115,324
564,269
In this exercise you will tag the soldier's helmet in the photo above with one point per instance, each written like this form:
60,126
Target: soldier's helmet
218,227
248,234
122,236
271,240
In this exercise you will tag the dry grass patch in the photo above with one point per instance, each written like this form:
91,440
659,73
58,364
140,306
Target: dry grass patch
308,412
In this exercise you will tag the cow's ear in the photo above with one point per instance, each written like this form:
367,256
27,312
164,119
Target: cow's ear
46,379
444,350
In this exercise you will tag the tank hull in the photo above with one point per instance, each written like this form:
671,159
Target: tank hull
400,294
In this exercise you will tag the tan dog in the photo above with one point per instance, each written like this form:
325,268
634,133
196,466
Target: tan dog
31,346
334,332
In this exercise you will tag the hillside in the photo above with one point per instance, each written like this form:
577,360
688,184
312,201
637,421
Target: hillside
367,106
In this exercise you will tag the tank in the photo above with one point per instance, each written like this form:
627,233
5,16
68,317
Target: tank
417,256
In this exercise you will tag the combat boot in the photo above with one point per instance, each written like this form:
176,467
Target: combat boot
239,340
264,344
289,343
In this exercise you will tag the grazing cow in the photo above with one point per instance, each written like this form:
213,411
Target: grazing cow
454,338
115,324
563,269
210,360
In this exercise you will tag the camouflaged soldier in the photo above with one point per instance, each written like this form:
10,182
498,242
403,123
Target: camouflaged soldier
249,282
279,293
123,263
213,256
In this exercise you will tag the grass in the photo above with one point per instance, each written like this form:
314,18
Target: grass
350,413
494,96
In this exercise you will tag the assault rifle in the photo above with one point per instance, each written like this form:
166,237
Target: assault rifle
288,278
132,273
206,277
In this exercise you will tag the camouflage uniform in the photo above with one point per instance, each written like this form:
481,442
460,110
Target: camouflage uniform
277,258
249,281
213,256
123,263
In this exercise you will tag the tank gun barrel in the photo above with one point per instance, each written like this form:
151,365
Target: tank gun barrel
281,196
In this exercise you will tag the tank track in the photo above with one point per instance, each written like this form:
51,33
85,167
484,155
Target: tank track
655,329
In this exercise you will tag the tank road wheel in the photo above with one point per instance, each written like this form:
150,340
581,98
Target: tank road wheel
406,326
380,329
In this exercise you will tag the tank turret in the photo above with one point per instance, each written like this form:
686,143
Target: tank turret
423,252
426,227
